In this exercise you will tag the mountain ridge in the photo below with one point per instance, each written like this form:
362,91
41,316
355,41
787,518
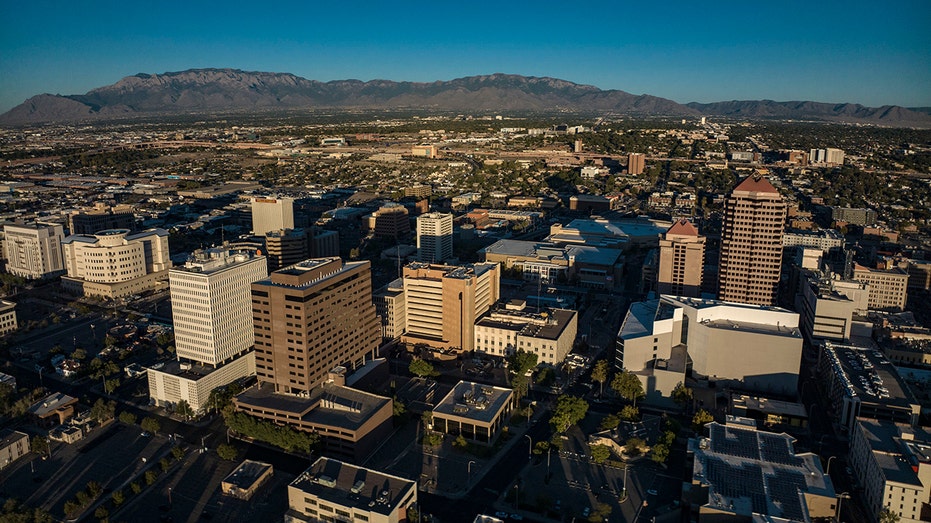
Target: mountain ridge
223,89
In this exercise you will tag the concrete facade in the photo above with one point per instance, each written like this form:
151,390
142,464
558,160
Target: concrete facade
193,382
888,288
115,263
549,334
33,251
681,261
434,237
272,214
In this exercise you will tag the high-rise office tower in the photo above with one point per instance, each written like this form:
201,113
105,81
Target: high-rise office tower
211,304
113,263
751,243
286,247
681,260
310,318
272,214
33,250
434,237
443,302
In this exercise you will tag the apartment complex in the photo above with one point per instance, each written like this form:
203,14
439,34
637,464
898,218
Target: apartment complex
13,445
828,156
272,214
549,334
331,490
888,288
443,302
856,216
751,243
681,261
115,263
824,239
434,237
893,463
740,473
310,318
748,346
33,251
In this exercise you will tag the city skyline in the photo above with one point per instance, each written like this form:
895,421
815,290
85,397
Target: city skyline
829,52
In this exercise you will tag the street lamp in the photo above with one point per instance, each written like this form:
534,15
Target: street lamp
529,445
470,473
827,469
840,499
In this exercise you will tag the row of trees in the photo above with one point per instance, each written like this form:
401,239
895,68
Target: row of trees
287,438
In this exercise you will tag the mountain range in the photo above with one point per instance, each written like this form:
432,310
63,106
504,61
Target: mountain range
231,90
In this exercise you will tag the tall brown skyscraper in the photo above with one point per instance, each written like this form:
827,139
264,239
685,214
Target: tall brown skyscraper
751,243
681,260
311,317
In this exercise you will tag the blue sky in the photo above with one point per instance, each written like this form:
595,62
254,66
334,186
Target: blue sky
868,52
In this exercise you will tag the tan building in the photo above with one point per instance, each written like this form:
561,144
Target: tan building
310,318
331,490
99,219
893,463
193,382
392,309
426,151
635,163
434,237
115,263
681,261
272,214
827,305
13,445
740,473
888,288
33,251
392,220
7,317
286,247
443,302
52,410
548,334
248,477
323,243
751,243
475,411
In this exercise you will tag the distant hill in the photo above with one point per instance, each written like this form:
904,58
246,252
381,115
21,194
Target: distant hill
845,112
228,90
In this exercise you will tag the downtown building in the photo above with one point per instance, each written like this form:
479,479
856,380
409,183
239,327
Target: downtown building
434,237
443,303
751,243
550,334
314,323
211,307
115,263
681,261
271,214
33,251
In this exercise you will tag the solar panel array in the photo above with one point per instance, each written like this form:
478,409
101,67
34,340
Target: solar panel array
735,442
775,449
784,487
744,481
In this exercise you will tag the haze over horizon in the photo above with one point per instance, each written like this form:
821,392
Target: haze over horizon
828,52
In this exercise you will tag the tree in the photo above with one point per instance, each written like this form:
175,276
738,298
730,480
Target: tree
150,476
111,385
127,417
521,361
600,453
118,498
183,409
94,489
660,453
398,408
682,395
600,513
39,445
432,439
540,447
630,413
600,374
700,419
227,452
285,437
628,386
888,516
177,453
101,512
633,446
460,442
569,411
103,410
135,487
610,422
150,425
422,369
79,354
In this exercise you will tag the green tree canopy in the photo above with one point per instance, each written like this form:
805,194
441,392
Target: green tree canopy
600,374
701,418
682,395
600,453
630,413
227,452
628,386
569,411
103,410
150,425
610,422
521,361
183,409
422,368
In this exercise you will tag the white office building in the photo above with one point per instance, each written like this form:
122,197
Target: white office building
434,237
115,263
33,251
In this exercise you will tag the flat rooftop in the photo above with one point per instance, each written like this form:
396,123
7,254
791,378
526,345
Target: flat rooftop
870,375
51,403
330,405
192,371
749,471
474,401
528,323
351,486
247,473
893,453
